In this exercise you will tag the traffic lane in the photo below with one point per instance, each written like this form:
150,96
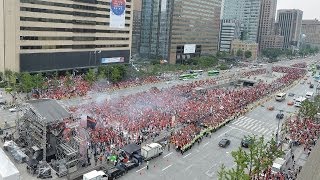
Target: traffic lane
176,163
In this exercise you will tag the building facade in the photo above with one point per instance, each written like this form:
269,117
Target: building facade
247,12
230,29
180,29
136,27
233,9
289,22
271,41
49,35
266,25
311,30
245,46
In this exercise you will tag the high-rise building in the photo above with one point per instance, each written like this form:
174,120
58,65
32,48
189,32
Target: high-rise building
181,29
136,27
247,12
266,34
230,29
289,23
58,35
233,9
311,30
251,19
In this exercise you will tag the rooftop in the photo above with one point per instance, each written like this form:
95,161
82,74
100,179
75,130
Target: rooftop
49,110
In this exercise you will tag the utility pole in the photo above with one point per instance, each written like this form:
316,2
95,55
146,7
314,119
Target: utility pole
279,119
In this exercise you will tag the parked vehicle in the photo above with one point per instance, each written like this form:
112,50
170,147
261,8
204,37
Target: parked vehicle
95,175
151,151
114,173
309,95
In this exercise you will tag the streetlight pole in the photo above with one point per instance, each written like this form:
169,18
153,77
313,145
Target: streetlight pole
279,119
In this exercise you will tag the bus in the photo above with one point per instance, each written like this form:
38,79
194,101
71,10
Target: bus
196,71
188,76
213,73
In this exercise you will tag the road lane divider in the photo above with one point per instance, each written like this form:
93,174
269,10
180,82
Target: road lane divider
187,155
141,169
166,167
167,155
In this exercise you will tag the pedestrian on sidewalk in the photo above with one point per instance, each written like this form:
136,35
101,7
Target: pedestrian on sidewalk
147,164
95,160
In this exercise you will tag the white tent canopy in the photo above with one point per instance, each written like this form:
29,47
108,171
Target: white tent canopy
7,169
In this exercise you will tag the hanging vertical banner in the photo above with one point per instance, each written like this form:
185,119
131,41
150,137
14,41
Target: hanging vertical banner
117,13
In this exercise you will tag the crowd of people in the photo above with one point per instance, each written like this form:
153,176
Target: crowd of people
300,65
303,132
76,86
185,108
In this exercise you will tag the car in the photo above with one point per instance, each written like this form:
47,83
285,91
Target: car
311,86
291,94
246,142
302,82
13,109
280,116
224,143
114,173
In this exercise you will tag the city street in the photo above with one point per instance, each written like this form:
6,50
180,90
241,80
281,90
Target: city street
203,161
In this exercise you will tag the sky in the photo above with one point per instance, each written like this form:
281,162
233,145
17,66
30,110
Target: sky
310,8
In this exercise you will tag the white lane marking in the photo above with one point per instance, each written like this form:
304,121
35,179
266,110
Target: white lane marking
205,144
261,129
238,129
188,167
186,155
167,155
166,167
264,132
141,169
222,134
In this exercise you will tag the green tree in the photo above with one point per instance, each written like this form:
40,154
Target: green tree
38,81
7,74
239,53
248,54
251,163
308,109
90,76
223,66
26,82
272,53
115,74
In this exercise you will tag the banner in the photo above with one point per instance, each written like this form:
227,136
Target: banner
112,60
117,13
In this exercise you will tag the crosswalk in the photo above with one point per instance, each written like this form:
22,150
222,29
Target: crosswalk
255,126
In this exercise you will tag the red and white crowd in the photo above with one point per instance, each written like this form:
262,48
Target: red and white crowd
300,65
138,117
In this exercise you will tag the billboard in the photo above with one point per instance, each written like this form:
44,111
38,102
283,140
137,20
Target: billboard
112,60
117,13
189,48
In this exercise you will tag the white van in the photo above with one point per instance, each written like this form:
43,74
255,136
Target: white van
281,96
309,95
298,101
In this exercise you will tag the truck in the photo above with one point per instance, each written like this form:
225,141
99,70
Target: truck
278,165
150,151
95,175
